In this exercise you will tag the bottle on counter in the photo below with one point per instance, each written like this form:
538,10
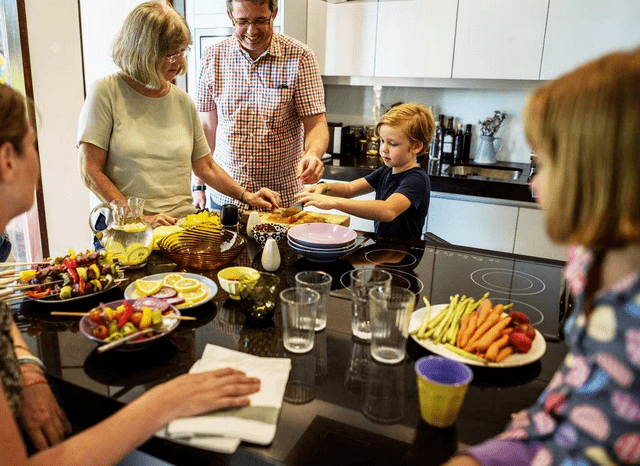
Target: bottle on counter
458,145
434,150
447,141
466,147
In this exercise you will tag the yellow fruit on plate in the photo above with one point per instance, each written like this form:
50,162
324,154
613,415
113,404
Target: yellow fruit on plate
148,287
171,279
194,296
136,254
186,284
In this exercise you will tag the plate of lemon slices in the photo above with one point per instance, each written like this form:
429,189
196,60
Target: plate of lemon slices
182,290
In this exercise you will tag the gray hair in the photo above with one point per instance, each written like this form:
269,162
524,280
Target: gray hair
148,34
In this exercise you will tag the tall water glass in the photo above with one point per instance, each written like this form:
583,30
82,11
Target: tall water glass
321,282
298,307
361,281
390,311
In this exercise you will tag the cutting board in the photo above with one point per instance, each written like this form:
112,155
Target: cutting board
305,217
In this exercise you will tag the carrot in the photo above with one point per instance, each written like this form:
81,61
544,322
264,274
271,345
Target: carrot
503,353
483,309
481,330
498,309
492,334
471,327
464,322
496,346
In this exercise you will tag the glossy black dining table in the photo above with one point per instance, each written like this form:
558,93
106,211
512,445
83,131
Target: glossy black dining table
323,424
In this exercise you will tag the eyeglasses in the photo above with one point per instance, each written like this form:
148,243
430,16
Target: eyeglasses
174,56
259,23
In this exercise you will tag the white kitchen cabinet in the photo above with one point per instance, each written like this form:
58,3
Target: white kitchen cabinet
473,224
579,30
343,36
499,39
531,238
415,38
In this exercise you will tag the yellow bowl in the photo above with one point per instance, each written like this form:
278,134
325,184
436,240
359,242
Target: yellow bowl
229,279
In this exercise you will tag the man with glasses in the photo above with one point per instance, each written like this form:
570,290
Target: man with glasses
261,102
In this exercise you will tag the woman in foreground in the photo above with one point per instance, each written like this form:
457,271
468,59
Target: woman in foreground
103,443
585,129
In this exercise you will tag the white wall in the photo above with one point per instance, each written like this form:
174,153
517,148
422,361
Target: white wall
56,66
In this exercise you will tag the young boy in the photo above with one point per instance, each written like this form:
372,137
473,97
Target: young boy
402,187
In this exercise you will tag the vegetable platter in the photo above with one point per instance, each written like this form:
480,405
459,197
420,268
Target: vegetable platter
117,319
477,333
71,277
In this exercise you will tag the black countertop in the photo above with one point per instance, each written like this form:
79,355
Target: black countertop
348,168
330,428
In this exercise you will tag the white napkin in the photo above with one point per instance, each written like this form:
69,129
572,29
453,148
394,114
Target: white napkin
255,423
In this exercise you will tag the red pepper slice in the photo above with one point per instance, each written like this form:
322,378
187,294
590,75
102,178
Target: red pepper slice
81,286
74,274
39,294
70,263
128,310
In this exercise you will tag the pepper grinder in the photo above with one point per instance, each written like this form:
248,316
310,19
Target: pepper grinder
270,256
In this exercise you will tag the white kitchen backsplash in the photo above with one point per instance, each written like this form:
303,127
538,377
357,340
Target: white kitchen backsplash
352,105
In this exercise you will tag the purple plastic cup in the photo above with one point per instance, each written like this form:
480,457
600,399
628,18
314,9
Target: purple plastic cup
442,387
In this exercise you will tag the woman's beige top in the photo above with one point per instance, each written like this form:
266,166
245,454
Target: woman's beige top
150,142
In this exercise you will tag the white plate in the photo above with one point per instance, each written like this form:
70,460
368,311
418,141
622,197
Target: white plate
324,249
538,347
131,293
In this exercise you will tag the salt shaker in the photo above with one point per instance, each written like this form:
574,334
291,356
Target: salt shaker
253,220
271,256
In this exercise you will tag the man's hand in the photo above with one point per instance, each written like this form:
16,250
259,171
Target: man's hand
263,198
199,200
310,169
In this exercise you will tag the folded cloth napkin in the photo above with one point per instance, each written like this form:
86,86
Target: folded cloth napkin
255,423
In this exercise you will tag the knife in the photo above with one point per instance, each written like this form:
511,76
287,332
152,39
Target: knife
293,210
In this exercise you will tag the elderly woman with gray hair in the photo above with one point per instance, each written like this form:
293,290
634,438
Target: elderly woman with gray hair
140,135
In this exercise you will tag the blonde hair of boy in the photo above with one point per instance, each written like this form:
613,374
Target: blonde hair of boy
415,120
587,124
149,33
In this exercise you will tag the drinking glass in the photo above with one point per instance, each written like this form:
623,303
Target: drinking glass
229,217
361,281
390,311
298,306
321,282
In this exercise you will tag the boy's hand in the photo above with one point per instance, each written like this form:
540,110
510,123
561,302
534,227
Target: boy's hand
318,188
317,200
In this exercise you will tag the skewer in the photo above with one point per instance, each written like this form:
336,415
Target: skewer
13,289
20,264
82,314
6,273
6,281
131,336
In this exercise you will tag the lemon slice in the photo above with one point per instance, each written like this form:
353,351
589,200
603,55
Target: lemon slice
137,253
148,287
194,296
186,284
135,227
115,247
171,279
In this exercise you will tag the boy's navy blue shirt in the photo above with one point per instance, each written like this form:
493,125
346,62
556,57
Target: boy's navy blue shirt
415,185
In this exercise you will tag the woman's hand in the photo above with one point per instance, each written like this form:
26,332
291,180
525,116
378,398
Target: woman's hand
41,415
263,198
199,199
193,394
159,219
310,169
320,201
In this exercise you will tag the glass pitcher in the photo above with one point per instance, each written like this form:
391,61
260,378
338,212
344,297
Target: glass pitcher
127,237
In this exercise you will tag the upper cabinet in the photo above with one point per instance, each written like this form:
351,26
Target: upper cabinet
499,39
579,30
415,38
343,36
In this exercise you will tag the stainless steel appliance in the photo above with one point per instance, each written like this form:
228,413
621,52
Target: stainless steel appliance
335,138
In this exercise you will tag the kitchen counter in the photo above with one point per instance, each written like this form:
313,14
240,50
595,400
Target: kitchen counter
347,168
330,428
